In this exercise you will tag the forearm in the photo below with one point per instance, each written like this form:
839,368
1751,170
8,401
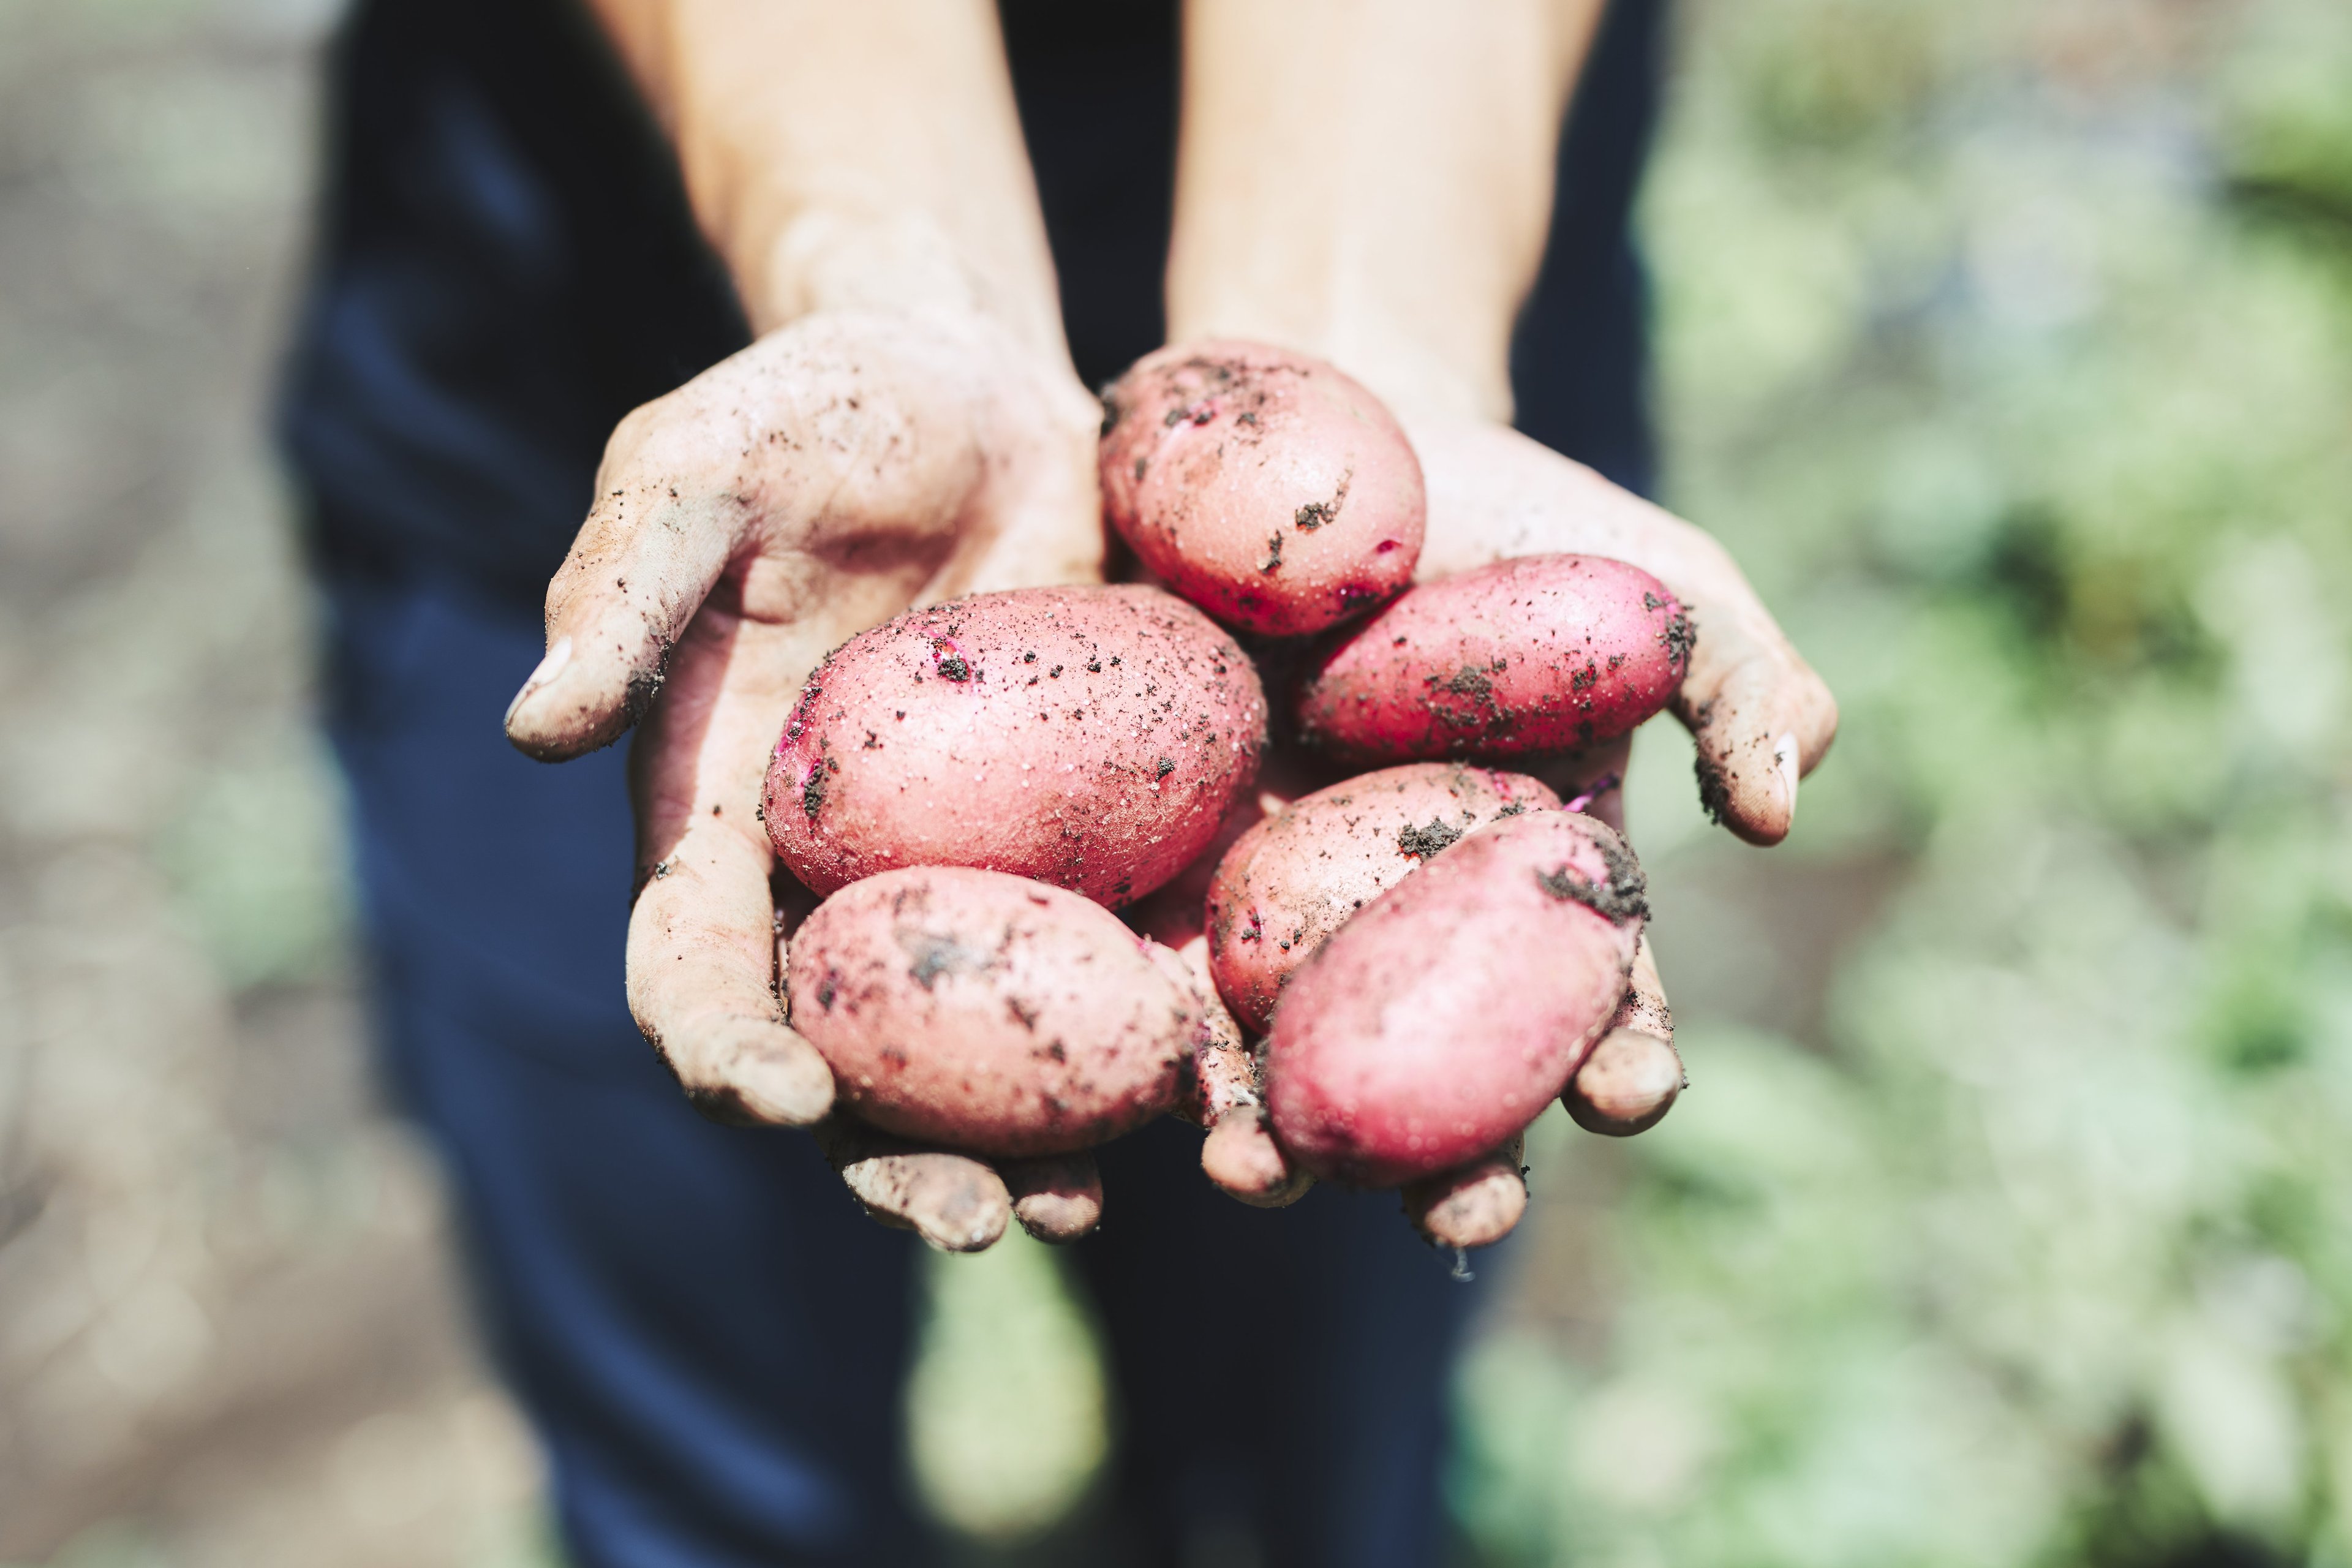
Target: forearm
849,155
1370,180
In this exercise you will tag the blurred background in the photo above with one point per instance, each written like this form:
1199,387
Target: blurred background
2009,1220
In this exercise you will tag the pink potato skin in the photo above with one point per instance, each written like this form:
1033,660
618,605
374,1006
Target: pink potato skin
1299,875
1266,487
1445,1016
990,1013
1089,737
1543,653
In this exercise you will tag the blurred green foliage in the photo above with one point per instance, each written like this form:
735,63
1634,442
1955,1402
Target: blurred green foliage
1007,1404
2010,346
254,854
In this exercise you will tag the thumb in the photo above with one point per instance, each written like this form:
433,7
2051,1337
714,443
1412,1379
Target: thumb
1761,718
854,425
641,567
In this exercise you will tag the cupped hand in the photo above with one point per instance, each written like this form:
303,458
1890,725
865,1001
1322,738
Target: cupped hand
838,471
1761,716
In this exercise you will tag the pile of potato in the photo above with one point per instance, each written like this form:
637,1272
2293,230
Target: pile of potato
1380,982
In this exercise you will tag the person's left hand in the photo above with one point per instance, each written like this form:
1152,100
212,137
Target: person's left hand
1761,716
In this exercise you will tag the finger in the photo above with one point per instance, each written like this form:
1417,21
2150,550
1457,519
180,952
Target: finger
1632,1077
1221,1074
1474,1204
1240,1155
1056,1197
828,443
704,948
1226,1096
1222,1092
1225,1077
702,974
1761,716
1761,719
954,1202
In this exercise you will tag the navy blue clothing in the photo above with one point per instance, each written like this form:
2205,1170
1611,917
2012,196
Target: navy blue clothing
707,1335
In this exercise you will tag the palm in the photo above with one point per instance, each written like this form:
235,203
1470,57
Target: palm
823,479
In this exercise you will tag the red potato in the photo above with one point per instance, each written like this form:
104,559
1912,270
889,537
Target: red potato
1089,737
1438,1023
1296,876
1545,653
990,1013
1264,485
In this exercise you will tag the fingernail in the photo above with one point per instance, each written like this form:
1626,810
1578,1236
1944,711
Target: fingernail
787,1088
1784,754
548,669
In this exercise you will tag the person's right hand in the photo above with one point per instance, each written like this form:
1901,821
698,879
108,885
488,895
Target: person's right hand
838,471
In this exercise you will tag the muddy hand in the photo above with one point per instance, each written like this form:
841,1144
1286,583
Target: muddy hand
820,481
1762,718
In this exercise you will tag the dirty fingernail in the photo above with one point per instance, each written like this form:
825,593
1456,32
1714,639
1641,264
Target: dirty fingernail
790,1089
548,669
1784,756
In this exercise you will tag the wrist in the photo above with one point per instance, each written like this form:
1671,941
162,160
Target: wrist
799,258
1420,369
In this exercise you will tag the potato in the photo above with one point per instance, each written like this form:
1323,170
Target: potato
1264,485
989,1013
1546,653
1297,875
1438,1023
1089,737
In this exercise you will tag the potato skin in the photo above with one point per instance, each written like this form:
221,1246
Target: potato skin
1296,876
1544,653
989,1013
1089,737
1439,1021
1266,487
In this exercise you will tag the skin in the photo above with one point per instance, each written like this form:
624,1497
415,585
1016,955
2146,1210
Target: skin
907,427
1634,1075
1391,221
1476,1206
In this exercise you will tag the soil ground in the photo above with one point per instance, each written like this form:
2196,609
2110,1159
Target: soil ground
228,1332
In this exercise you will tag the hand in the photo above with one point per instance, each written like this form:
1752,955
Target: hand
1761,716
838,471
